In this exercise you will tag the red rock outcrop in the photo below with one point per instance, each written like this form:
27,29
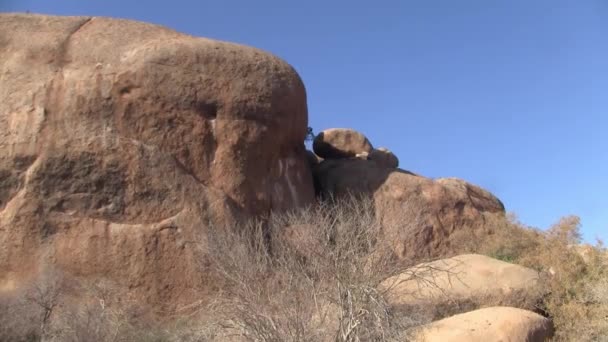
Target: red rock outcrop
122,142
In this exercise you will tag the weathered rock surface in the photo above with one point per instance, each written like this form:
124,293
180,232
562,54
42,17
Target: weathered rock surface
468,277
121,142
384,158
421,217
504,324
313,159
338,143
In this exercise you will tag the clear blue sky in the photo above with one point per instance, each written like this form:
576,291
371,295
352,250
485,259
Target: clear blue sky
510,95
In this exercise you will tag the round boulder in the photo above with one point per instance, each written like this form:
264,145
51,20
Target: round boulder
123,143
339,143
467,278
489,324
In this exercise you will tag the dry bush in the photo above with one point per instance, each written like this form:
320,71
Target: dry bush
18,320
54,307
311,275
26,314
574,281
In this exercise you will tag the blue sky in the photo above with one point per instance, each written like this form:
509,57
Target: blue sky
510,95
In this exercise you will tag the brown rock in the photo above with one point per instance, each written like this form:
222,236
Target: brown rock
421,217
384,158
503,324
464,278
121,141
312,158
337,143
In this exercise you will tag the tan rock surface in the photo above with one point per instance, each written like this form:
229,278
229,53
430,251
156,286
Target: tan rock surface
121,141
338,143
460,278
502,324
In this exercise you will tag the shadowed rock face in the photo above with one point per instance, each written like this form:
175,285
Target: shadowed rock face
121,141
422,218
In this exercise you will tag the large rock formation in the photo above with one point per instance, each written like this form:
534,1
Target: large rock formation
422,218
121,141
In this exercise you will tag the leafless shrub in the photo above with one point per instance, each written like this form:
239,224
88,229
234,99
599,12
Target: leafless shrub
18,320
26,314
55,308
45,293
311,275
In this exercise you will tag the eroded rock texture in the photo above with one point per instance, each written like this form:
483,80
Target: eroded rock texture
121,142
422,218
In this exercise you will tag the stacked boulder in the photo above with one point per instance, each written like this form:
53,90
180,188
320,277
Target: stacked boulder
124,146
422,217
343,143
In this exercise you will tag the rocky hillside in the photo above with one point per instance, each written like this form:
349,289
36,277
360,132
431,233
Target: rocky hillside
126,149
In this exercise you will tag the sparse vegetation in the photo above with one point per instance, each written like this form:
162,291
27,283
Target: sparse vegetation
309,276
48,310
313,275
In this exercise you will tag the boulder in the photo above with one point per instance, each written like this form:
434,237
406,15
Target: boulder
384,158
338,143
122,143
422,218
503,324
465,278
